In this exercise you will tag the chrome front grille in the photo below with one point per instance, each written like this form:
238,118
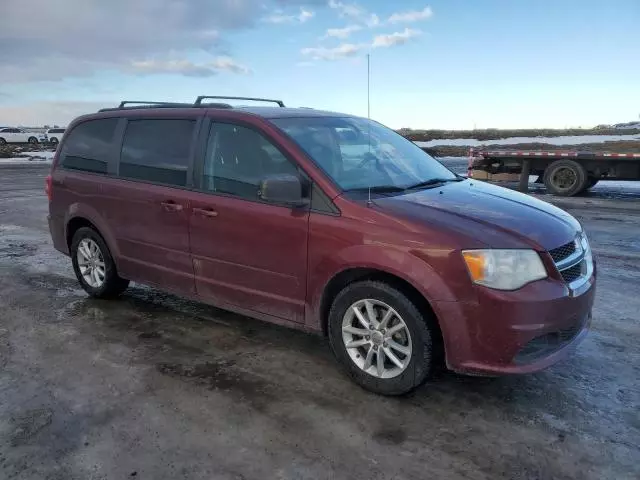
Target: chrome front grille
572,273
574,261
560,253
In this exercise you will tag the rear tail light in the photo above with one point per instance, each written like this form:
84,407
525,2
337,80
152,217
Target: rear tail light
47,187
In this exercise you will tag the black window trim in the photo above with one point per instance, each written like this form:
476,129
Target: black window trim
192,148
109,157
203,140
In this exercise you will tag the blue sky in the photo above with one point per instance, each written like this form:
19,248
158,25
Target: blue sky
439,64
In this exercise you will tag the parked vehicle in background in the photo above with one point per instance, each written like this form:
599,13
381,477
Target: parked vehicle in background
324,222
564,173
55,135
18,135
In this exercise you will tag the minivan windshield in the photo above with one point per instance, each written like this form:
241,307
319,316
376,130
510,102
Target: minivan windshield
360,154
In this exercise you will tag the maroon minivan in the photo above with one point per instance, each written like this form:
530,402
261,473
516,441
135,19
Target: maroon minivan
326,222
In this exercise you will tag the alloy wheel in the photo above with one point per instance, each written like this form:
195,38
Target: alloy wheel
377,339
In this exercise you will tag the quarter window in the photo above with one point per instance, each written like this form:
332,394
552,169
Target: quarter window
238,159
157,151
88,145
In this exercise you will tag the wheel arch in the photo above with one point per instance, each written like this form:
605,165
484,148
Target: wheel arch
355,274
80,216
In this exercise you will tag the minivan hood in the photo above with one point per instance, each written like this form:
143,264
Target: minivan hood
495,216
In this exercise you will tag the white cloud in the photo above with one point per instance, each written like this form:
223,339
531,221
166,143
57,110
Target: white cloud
188,68
279,17
347,9
71,38
397,38
342,32
411,16
372,21
230,65
341,51
355,12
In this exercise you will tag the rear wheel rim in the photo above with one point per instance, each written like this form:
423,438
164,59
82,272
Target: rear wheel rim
91,263
564,178
376,338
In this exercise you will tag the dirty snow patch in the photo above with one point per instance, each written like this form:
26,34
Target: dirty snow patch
566,140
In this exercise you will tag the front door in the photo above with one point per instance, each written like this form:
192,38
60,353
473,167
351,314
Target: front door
247,253
148,203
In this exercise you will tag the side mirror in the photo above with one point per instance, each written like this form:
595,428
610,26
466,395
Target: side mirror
284,189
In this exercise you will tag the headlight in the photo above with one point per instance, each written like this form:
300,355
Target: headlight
504,269
588,255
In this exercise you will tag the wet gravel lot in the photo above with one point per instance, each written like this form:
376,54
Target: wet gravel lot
151,386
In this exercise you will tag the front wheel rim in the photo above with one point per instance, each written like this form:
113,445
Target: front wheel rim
91,263
376,338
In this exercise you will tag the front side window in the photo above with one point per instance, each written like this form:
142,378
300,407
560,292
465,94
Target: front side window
157,151
238,159
88,145
359,154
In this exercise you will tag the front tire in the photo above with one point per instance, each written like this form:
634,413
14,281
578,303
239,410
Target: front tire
3,141
33,140
54,141
381,338
94,266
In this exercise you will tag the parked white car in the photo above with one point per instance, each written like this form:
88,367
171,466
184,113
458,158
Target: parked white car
55,134
18,135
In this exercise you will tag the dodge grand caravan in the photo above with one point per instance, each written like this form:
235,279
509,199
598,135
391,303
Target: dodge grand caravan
325,222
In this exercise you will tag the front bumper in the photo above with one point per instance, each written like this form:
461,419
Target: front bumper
515,332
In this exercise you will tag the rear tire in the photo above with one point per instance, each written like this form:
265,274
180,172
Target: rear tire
94,266
565,178
33,140
404,343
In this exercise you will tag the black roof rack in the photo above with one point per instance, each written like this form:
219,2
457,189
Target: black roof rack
135,104
141,104
216,97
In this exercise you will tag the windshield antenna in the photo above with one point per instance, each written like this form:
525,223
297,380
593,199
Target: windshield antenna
369,203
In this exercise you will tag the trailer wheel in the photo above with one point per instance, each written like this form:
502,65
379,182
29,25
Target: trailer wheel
565,178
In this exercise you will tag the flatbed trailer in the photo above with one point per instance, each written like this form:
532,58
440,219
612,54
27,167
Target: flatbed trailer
564,173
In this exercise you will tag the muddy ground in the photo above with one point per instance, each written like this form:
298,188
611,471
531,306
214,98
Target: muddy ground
154,387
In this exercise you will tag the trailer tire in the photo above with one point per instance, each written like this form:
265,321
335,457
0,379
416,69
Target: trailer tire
565,178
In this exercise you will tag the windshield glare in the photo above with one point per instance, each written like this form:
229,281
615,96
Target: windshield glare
359,154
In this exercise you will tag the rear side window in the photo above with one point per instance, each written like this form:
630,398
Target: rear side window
157,151
88,146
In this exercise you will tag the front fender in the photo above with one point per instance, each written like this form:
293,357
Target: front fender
404,264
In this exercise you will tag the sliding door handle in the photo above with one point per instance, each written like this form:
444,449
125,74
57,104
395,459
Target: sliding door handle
205,212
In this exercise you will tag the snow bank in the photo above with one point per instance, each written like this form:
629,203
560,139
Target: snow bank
566,140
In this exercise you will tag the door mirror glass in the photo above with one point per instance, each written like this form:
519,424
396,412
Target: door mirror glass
283,188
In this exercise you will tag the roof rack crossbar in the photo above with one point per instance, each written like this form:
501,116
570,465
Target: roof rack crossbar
216,97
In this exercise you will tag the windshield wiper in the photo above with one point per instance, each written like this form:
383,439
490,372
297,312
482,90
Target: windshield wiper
433,181
378,189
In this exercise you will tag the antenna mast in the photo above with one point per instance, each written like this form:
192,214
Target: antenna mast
369,203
